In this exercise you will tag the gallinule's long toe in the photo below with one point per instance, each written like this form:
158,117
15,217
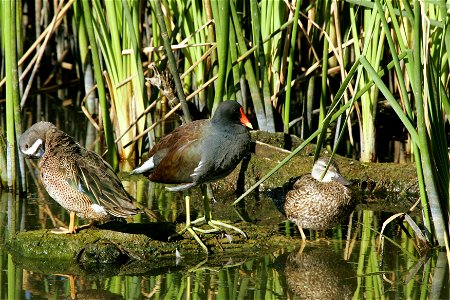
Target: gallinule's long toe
201,152
78,179
313,202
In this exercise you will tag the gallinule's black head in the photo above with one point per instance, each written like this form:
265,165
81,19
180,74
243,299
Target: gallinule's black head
315,203
78,179
201,151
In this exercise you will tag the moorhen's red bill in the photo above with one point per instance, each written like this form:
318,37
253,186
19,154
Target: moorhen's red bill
201,151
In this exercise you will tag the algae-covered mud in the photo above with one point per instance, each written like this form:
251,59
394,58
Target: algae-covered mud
132,248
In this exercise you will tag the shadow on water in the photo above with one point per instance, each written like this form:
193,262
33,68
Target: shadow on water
315,271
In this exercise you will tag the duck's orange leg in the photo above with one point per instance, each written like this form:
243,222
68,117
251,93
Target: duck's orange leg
72,228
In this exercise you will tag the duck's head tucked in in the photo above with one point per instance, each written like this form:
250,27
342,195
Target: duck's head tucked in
332,173
32,141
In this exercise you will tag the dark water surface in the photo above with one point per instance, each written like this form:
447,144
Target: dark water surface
315,271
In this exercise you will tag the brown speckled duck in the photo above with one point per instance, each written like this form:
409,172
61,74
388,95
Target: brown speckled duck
313,202
78,179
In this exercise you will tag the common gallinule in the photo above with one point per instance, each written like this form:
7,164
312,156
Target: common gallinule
313,202
78,179
200,152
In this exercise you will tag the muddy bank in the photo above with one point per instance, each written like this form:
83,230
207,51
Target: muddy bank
121,248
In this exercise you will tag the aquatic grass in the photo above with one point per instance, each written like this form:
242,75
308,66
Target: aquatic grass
421,86
263,66
107,125
261,100
372,46
293,39
221,14
8,10
250,75
112,35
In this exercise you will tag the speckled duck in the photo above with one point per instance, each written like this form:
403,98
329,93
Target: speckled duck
313,202
78,179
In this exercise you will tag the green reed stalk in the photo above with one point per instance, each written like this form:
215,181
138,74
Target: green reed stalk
3,160
287,103
263,74
124,75
425,279
17,111
234,93
439,221
11,279
201,72
326,44
223,288
190,18
274,14
12,95
221,14
3,294
373,42
404,93
249,70
364,248
435,207
107,125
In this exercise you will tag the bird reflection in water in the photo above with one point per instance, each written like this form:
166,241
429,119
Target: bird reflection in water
317,272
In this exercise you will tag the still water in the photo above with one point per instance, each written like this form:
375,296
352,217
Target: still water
316,270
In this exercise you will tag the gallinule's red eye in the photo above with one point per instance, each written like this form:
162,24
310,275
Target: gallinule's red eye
200,152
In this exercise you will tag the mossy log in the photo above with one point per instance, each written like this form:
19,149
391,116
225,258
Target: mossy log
119,248
129,248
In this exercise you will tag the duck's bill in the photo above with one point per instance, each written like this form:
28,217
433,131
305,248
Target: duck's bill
339,178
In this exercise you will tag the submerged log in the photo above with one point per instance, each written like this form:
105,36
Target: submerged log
130,248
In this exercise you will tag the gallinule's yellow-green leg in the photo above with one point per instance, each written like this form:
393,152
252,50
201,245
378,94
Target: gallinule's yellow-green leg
313,201
78,179
201,152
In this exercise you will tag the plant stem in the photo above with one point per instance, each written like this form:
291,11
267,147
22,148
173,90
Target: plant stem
172,63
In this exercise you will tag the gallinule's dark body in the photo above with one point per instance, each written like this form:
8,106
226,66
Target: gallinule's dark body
78,179
200,152
313,202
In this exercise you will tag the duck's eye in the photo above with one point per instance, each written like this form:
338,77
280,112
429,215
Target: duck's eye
26,146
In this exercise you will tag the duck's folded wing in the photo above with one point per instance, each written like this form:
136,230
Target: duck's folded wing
94,177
